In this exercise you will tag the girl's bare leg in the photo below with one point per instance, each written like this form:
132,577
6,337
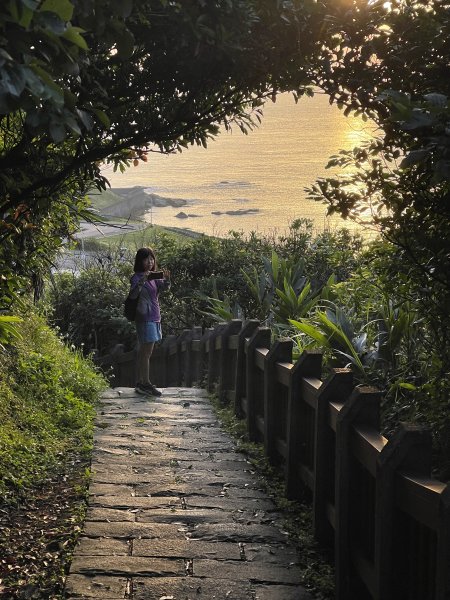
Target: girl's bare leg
143,360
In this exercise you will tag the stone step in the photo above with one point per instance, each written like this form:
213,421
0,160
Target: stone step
175,513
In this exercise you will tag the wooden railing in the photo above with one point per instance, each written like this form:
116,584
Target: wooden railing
373,499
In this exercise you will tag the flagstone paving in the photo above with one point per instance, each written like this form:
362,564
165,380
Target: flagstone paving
175,513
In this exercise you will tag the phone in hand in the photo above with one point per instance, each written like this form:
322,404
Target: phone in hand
155,275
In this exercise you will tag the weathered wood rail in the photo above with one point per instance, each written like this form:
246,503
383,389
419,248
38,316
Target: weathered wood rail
373,499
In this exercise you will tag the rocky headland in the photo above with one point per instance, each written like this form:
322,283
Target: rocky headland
135,201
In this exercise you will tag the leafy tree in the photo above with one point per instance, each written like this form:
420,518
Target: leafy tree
389,62
91,81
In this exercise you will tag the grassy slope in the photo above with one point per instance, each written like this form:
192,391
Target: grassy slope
47,396
133,239
47,393
101,200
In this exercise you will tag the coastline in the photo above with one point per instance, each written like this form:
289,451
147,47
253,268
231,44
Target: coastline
271,169
136,201
195,217
105,230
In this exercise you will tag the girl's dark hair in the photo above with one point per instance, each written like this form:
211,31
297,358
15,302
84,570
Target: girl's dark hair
141,255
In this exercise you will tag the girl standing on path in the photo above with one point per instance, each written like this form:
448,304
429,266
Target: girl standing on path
146,283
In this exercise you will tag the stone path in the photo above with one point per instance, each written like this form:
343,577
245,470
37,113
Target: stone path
175,513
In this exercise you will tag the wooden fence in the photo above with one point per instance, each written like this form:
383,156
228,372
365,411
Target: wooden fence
373,499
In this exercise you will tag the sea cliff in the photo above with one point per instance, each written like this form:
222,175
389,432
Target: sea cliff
134,202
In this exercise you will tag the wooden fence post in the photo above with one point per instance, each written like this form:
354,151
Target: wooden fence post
119,366
308,365
228,362
204,356
260,339
281,351
181,352
166,361
363,407
191,373
248,328
410,449
337,388
212,356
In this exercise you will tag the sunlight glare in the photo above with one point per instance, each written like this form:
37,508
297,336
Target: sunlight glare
357,132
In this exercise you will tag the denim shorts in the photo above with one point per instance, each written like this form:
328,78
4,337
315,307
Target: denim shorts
148,331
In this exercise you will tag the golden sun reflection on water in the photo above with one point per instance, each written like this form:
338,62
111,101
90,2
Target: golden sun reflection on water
252,182
357,132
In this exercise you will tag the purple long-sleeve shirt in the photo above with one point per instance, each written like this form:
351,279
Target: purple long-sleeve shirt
148,304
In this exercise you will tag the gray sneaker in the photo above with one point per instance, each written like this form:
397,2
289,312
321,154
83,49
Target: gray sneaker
141,389
147,389
152,390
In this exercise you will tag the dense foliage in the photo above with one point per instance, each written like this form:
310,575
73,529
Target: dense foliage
93,81
47,393
47,396
401,178
88,306
84,82
371,321
389,62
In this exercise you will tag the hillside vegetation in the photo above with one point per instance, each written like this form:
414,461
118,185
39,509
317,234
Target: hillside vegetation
47,393
47,396
128,208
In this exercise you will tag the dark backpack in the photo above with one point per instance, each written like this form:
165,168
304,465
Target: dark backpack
130,306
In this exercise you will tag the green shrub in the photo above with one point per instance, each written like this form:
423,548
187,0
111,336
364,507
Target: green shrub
216,267
87,306
379,324
47,396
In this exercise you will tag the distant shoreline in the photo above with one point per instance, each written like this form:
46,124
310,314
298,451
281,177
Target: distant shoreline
134,204
135,201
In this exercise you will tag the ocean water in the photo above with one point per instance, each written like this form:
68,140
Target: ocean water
252,182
